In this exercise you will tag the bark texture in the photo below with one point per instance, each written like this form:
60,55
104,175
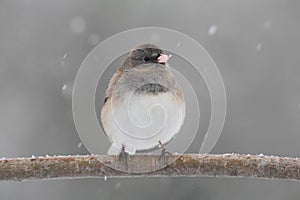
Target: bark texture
232,165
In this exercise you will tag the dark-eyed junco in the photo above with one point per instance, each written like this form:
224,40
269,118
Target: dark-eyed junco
144,105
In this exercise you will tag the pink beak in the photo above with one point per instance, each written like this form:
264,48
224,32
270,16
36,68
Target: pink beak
162,58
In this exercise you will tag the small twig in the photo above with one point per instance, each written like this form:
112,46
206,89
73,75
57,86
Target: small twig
143,165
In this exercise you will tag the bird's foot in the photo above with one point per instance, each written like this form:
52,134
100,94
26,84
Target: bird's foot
164,154
123,156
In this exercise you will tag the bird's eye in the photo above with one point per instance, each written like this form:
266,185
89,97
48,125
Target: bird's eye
146,58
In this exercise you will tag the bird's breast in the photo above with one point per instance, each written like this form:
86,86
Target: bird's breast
141,119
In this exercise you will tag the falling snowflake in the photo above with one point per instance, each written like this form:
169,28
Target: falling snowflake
64,57
64,87
212,30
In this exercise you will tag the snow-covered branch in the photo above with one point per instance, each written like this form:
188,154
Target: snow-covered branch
232,165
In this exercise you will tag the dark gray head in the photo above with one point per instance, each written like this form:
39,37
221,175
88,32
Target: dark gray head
143,54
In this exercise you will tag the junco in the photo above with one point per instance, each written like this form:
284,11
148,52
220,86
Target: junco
144,105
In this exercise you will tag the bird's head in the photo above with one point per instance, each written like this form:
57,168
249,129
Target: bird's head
145,54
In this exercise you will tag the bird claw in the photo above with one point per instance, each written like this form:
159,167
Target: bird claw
164,154
123,156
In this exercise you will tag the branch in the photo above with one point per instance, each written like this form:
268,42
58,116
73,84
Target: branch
181,165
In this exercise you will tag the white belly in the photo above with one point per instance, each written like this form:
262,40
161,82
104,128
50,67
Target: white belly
140,121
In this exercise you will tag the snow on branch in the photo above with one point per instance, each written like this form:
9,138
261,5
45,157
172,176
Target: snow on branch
199,165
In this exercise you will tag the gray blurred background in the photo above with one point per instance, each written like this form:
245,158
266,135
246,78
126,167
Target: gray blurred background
255,44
